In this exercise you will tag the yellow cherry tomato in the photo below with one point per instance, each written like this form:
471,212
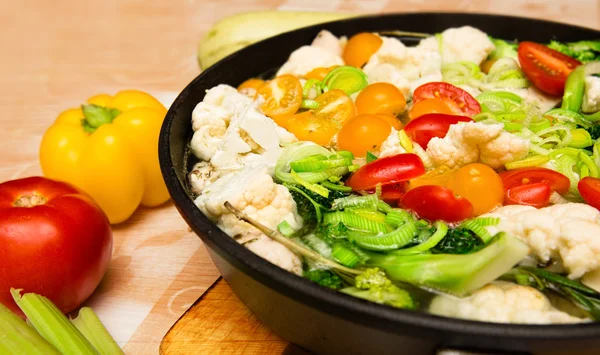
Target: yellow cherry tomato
429,106
363,133
307,126
439,176
319,73
383,98
360,48
282,95
250,87
108,148
335,106
479,184
393,121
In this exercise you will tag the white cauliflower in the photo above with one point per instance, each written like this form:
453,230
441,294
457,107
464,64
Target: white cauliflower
460,44
406,68
274,252
307,58
203,174
232,132
569,233
327,41
591,96
252,191
503,302
470,142
211,117
391,145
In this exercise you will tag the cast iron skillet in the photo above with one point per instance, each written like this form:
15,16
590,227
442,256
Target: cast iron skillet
316,318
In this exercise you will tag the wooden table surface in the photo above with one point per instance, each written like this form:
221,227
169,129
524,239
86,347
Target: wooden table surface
55,54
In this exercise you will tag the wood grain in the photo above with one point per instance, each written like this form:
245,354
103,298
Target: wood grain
55,54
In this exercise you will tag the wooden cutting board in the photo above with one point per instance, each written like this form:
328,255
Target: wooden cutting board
219,323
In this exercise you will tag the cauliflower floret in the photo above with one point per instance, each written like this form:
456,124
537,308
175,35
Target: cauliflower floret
568,232
469,142
503,302
591,97
211,117
503,149
272,251
391,145
307,58
253,191
406,68
202,175
327,41
461,44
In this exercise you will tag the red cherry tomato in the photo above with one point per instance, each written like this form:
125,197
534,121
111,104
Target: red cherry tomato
388,170
524,176
54,241
434,202
589,188
546,68
425,127
392,193
536,195
458,100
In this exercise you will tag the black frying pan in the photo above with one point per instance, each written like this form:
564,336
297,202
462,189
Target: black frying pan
319,319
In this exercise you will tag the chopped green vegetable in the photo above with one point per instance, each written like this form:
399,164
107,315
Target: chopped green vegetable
346,78
594,131
580,138
52,324
574,90
583,297
354,219
503,49
371,157
324,278
92,328
458,241
441,229
455,274
372,285
583,51
393,240
16,337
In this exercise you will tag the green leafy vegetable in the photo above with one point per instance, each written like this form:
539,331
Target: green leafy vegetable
594,131
371,157
583,51
583,297
372,285
458,241
455,274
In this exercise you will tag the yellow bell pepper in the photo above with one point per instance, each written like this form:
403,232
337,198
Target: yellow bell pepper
109,149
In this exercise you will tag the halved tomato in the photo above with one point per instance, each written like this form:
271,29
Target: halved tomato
546,68
458,100
426,106
589,188
434,203
425,127
525,176
282,95
535,195
335,106
388,170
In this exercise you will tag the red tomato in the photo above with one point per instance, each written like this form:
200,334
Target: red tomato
458,101
536,195
388,170
434,203
524,176
546,68
589,188
393,193
425,127
55,241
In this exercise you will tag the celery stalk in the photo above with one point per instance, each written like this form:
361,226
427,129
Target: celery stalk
52,324
16,337
92,328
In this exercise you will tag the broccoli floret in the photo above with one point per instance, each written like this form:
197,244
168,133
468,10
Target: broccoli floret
594,131
324,278
583,51
458,241
372,285
332,231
